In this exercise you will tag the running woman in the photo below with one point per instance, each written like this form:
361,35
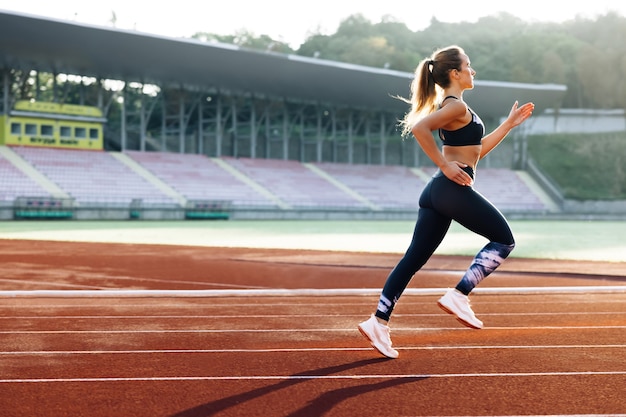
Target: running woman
437,105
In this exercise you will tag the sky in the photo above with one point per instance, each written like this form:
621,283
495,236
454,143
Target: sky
292,21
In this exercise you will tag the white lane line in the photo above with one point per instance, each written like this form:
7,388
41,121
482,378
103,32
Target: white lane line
299,330
182,304
289,316
303,292
296,350
311,377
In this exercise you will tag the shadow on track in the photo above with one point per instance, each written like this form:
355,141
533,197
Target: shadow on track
318,406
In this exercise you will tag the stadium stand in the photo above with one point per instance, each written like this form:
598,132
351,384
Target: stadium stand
14,183
92,177
507,191
388,187
215,187
295,184
197,177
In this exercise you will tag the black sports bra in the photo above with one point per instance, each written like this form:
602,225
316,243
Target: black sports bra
470,134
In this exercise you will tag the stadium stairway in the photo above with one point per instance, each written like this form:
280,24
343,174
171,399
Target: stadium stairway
345,188
92,177
382,186
43,186
546,201
251,183
200,178
296,185
145,174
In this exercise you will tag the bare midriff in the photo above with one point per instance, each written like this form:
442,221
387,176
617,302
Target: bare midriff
468,155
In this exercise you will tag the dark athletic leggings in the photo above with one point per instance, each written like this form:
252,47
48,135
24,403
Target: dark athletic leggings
441,202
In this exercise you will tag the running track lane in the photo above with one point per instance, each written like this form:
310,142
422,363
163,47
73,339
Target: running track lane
541,353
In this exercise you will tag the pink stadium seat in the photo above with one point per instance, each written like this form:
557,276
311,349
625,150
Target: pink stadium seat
294,183
388,187
197,177
14,183
92,176
506,190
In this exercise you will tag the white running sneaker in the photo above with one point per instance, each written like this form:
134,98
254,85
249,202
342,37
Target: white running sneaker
378,336
456,303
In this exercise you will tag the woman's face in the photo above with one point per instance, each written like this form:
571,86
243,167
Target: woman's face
466,73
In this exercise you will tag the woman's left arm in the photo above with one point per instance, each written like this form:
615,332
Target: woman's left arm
517,115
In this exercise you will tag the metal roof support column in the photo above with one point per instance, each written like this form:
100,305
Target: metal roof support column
37,86
383,140
163,126
301,117
350,138
219,132
123,119
233,130
55,87
142,124
266,125
319,135
100,97
200,147
285,131
368,144
81,92
333,120
253,133
181,123
520,148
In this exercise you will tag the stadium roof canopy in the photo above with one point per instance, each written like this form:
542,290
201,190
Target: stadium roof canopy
31,42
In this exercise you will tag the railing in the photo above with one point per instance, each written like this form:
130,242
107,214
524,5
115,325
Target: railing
43,208
545,182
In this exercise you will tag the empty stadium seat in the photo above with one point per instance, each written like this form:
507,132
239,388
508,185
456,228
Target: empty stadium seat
92,176
14,183
293,183
197,177
388,187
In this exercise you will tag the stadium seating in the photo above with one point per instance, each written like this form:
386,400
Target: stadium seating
92,176
387,187
293,183
14,183
197,177
507,191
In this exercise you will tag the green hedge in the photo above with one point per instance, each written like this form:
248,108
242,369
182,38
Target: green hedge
585,166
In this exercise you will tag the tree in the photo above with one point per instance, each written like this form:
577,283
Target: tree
246,39
585,54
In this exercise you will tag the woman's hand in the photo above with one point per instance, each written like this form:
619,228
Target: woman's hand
518,114
454,172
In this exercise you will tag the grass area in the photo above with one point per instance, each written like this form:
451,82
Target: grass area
585,166
585,240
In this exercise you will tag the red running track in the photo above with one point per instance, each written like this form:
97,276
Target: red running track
213,341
